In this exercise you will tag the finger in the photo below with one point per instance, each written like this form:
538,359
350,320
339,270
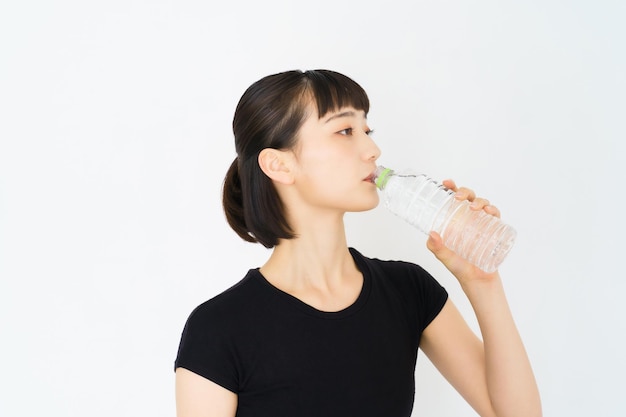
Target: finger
465,193
493,210
450,185
442,253
434,242
479,203
436,246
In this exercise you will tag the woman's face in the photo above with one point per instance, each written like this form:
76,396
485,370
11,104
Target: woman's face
335,158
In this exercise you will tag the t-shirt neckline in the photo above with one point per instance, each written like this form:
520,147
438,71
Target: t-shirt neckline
353,308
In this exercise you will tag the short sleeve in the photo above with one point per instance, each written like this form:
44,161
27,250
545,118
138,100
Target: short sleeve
430,294
205,348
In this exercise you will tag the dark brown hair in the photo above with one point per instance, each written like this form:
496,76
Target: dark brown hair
269,115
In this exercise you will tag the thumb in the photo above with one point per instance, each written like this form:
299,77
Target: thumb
436,246
453,262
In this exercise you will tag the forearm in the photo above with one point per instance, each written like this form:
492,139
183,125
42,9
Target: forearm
510,380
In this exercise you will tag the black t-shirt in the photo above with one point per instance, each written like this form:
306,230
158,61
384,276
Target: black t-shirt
283,357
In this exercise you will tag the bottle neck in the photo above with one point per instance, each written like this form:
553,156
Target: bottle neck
382,175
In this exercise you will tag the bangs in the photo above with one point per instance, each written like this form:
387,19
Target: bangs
333,91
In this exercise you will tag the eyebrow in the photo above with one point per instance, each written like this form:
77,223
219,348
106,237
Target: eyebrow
348,113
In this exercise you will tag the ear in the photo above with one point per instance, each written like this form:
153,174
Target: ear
276,165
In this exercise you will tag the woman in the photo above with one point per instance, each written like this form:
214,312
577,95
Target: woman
320,329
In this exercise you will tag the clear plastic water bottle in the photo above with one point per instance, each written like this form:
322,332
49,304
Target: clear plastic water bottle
478,237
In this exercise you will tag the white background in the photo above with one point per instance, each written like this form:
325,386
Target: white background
115,136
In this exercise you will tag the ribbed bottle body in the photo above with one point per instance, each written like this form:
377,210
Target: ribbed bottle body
478,237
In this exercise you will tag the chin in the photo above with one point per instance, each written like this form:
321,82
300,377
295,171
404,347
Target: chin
372,204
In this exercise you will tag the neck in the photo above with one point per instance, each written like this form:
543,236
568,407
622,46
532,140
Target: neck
317,258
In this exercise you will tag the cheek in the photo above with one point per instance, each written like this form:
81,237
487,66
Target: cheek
321,160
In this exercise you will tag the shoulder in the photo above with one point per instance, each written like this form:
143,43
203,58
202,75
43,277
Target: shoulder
208,344
223,308
391,269
411,285
212,328
407,278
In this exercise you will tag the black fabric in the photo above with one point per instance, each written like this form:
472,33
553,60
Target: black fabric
282,357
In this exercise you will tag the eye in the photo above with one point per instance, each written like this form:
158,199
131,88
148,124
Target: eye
346,132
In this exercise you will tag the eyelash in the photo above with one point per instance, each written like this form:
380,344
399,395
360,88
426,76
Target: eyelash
348,131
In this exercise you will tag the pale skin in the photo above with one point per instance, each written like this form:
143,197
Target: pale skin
326,176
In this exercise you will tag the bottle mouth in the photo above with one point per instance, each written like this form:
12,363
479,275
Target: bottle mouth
381,176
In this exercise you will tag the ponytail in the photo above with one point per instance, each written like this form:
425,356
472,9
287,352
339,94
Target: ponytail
252,206
233,202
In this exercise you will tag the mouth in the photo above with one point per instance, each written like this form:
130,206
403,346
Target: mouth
370,178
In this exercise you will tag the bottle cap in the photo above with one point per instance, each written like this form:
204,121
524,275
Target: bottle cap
382,176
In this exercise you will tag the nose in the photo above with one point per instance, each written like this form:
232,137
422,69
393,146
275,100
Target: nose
372,151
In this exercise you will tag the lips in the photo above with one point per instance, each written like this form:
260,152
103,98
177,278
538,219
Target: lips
370,178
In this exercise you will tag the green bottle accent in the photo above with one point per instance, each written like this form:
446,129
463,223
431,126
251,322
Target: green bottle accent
383,177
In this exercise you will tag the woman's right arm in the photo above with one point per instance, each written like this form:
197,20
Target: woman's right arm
197,396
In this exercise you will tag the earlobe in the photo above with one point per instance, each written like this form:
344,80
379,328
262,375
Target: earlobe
275,164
